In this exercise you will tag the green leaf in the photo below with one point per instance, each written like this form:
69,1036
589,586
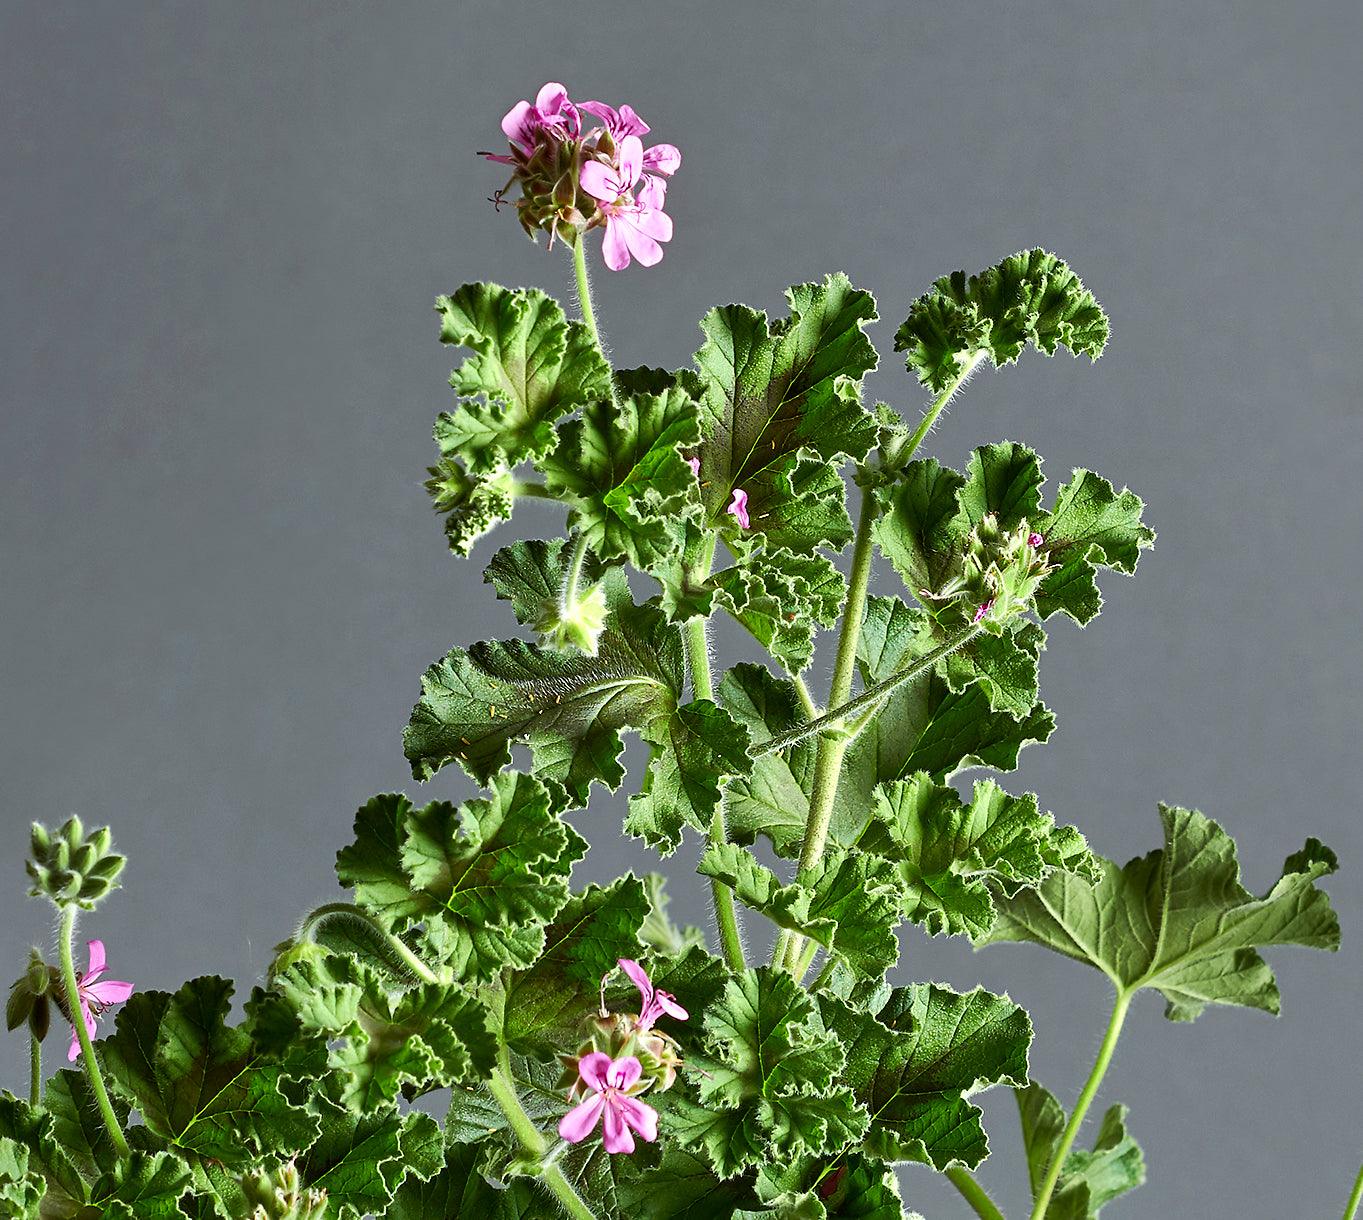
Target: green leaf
621,470
848,904
472,504
857,1188
483,878
21,1188
77,1125
770,1090
545,1005
530,575
1030,298
915,1062
1179,920
460,1190
1090,1179
529,367
946,853
360,1160
658,931
570,708
1091,527
146,1186
681,1187
34,1130
695,751
774,394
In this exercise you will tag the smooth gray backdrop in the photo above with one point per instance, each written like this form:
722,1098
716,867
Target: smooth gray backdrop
222,228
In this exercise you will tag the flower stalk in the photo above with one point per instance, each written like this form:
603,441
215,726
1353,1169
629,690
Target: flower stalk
973,1193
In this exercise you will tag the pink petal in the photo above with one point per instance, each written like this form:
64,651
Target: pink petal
499,158
670,1006
551,98
637,974
73,1051
109,992
615,1134
518,125
614,246
599,181
631,160
639,1115
664,158
655,224
629,123
624,1073
95,966
607,114
581,1120
694,463
592,1068
640,244
739,507
653,193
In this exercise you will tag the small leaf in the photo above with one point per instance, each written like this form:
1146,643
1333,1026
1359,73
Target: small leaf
530,575
472,504
1179,920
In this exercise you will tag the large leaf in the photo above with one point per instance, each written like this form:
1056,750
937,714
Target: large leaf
914,1064
21,1187
1031,297
529,366
460,1190
1090,1178
199,1083
359,1161
1179,920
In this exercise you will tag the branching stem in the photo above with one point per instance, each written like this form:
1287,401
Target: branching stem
87,1048
973,1193
568,595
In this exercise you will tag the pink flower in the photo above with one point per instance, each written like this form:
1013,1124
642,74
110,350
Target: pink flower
656,1003
1035,540
94,995
660,158
635,223
694,463
983,610
552,112
610,1081
739,507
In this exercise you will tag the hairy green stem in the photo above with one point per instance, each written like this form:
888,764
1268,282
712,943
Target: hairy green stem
806,699
836,717
968,366
531,489
584,291
824,971
35,1070
504,1093
806,959
973,1193
568,595
1090,1090
346,913
1351,1208
87,1048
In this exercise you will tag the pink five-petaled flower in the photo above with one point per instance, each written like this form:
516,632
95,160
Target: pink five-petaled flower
610,1081
739,507
656,1003
635,224
1034,540
94,995
551,111
660,158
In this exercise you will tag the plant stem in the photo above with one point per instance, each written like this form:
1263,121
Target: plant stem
823,974
584,291
968,366
1100,1066
532,489
345,912
1351,1208
568,596
87,1049
35,1070
806,699
973,1193
504,1094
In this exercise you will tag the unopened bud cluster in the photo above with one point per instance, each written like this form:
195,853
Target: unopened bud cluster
1000,573
280,1195
70,867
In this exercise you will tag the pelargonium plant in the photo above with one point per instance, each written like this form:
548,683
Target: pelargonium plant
469,1033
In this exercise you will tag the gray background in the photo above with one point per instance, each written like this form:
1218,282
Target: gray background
222,228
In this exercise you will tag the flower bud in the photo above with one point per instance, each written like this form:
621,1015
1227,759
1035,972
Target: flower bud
29,1001
279,1194
1000,573
70,867
618,1035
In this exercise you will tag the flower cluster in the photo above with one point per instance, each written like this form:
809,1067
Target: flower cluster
575,178
1000,573
624,1057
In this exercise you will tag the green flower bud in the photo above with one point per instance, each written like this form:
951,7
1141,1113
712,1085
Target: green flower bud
1000,573
70,867
279,1194
576,625
30,997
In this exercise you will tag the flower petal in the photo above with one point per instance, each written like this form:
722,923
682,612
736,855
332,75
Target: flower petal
655,224
631,160
518,125
663,158
592,1068
739,507
615,1135
639,1115
668,1003
614,246
599,181
73,1051
95,949
640,244
581,1120
110,991
551,97
638,976
624,1073
629,123
607,114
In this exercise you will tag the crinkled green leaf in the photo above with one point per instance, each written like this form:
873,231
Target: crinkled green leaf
1179,920
1090,1178
695,751
622,470
849,904
530,575
855,1188
569,707
944,853
658,931
146,1186
34,1130
529,367
914,1064
1031,297
460,1190
21,1188
546,1004
77,1125
199,1083
1092,526
773,1088
472,504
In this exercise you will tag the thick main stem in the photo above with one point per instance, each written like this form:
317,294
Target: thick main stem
1351,1208
1090,1090
87,1048
974,1193
532,1142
